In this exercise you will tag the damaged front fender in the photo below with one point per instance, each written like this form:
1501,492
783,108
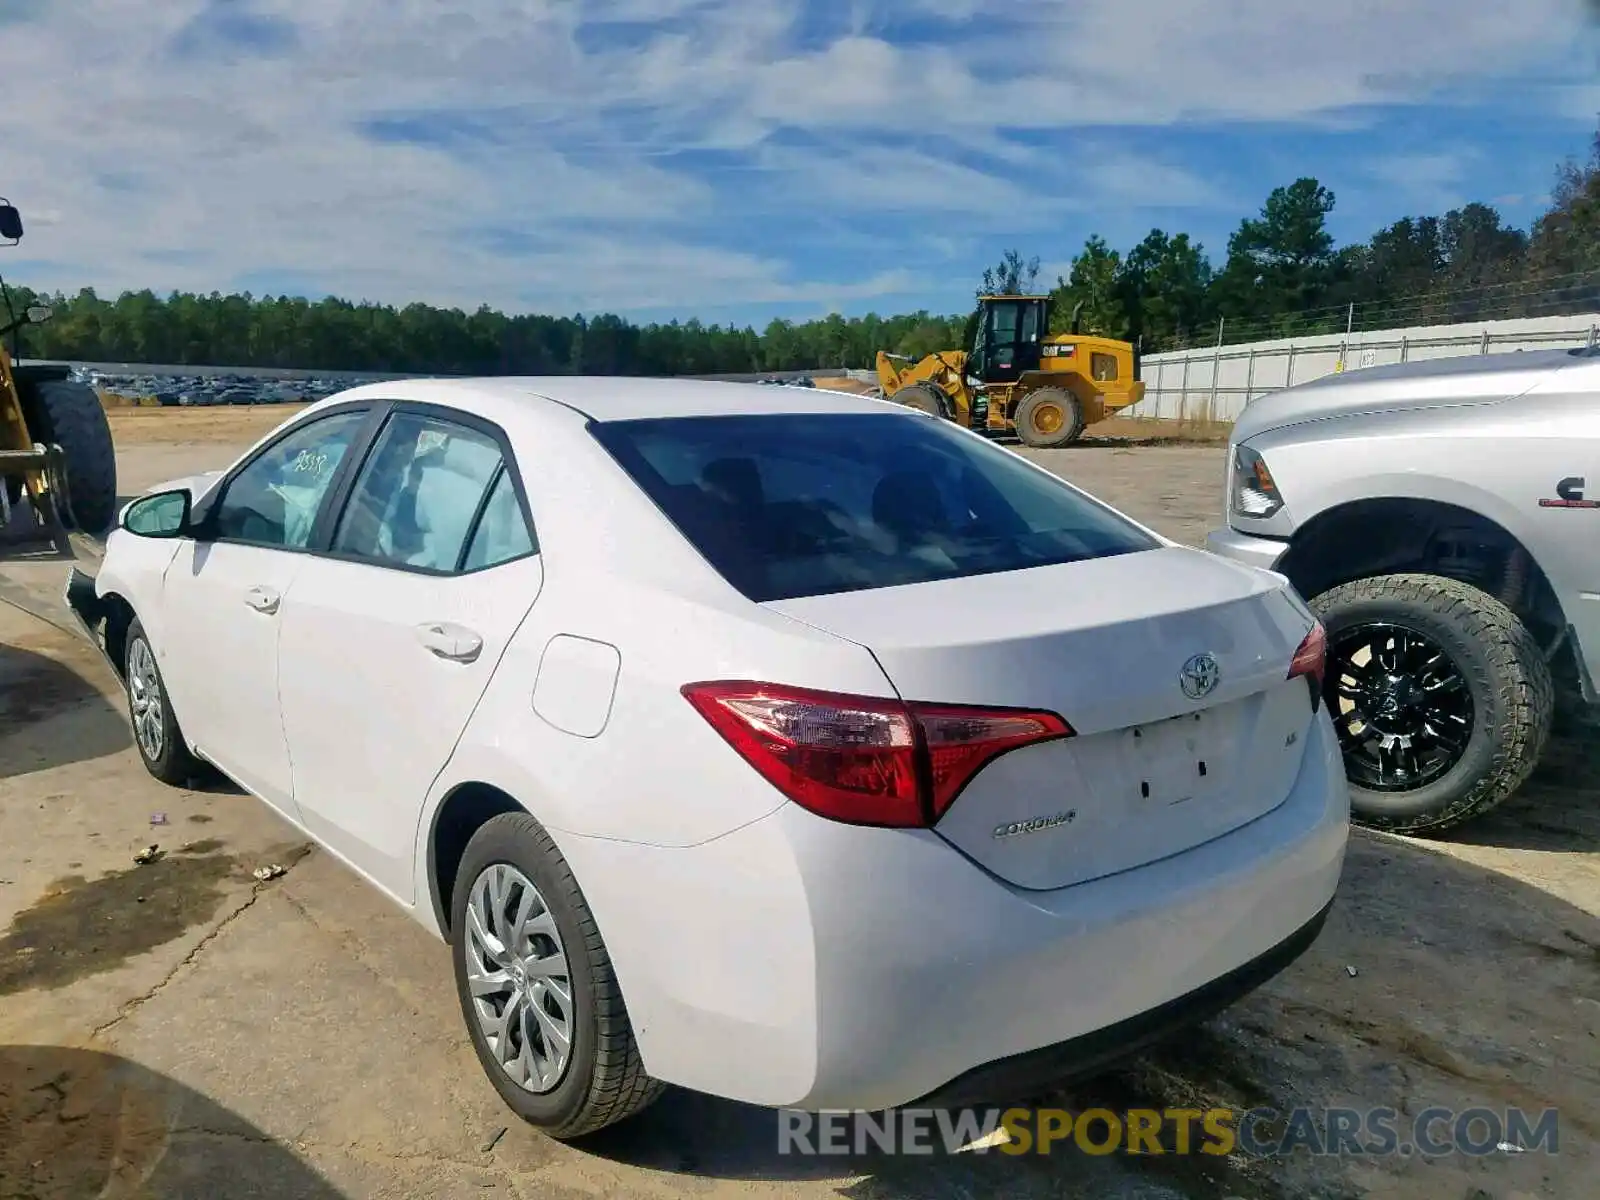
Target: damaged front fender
93,614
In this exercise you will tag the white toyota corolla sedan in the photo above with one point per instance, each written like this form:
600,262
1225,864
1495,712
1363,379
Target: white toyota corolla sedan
784,745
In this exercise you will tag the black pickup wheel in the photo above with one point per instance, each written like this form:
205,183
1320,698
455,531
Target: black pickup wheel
1440,696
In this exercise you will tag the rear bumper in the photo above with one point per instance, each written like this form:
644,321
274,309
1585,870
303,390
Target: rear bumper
801,963
1028,1075
1246,548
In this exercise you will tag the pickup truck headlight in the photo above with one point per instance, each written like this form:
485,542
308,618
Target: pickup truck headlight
1254,493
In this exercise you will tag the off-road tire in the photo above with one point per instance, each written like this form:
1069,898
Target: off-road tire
69,414
1512,693
175,766
925,399
605,1080
1041,401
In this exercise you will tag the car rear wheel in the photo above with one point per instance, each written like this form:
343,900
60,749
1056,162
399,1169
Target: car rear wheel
1440,696
156,733
536,986
1049,417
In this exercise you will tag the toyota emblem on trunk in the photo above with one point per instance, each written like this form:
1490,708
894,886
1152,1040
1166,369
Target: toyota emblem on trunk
1199,676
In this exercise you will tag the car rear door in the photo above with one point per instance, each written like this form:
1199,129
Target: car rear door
390,638
222,600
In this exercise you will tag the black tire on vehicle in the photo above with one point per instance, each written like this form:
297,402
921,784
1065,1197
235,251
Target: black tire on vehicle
924,398
603,1080
69,414
1485,646
156,732
1049,417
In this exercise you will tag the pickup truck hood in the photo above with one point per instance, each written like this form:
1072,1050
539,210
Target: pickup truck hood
1465,379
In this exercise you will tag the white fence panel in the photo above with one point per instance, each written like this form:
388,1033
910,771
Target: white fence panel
1214,384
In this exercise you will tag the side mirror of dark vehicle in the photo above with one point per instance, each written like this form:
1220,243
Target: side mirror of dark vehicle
161,515
10,223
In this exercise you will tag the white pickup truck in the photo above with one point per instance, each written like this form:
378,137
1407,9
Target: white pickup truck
1443,519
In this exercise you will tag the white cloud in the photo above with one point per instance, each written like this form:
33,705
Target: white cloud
577,158
1429,183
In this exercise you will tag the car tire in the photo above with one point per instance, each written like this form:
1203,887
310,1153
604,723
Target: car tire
603,1080
1502,675
156,732
1049,417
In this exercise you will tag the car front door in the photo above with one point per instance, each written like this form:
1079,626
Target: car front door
391,637
223,596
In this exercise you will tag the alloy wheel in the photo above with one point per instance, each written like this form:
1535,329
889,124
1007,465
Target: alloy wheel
1401,705
144,698
519,978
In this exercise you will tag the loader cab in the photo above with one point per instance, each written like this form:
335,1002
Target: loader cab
1010,337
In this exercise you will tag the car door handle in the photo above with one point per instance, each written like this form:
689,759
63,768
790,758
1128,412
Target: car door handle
450,641
262,599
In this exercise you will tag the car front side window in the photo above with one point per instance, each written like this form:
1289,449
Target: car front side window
418,494
274,500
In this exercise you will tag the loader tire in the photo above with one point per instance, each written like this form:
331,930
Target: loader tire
70,415
925,399
1451,675
1049,417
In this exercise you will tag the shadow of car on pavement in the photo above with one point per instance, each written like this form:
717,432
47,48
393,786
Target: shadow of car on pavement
79,1123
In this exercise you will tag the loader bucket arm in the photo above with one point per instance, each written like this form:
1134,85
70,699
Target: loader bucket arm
889,375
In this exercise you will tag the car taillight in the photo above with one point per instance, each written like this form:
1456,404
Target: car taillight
1311,661
862,759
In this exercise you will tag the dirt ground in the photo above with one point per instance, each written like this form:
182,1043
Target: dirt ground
181,1029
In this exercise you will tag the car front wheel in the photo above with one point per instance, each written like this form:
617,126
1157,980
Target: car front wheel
536,986
156,733
1440,696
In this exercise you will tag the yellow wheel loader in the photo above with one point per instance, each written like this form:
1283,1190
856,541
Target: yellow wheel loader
1017,379
55,442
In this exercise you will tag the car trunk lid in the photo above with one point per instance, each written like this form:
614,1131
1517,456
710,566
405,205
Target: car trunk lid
1152,769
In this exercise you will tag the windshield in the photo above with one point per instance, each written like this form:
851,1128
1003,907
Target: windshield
791,505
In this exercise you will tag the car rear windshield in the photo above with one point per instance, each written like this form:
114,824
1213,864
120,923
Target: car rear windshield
789,505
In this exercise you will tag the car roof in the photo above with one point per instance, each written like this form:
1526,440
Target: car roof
613,398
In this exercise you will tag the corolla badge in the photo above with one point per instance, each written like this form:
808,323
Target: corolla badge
1013,829
1199,676
1036,824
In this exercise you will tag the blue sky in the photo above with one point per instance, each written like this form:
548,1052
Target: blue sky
743,159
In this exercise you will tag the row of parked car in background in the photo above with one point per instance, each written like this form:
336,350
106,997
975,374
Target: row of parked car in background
205,390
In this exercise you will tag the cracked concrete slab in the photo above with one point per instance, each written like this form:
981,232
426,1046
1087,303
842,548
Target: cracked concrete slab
181,1029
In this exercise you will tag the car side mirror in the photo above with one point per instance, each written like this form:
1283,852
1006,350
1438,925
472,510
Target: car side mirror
161,515
10,223
38,314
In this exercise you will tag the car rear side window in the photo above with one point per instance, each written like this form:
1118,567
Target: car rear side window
418,494
790,505
502,533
